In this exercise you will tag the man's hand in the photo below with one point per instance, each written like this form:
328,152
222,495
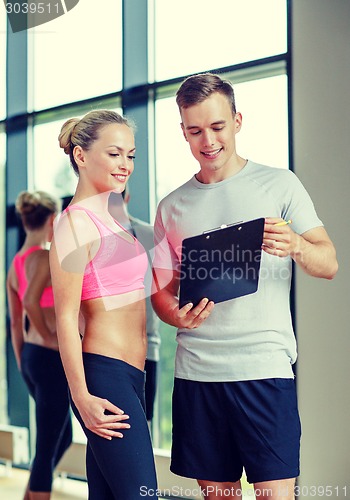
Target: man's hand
279,240
192,317
312,251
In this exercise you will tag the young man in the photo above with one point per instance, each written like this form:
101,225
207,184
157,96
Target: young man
234,400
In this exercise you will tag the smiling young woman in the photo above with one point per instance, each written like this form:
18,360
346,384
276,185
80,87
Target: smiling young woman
98,271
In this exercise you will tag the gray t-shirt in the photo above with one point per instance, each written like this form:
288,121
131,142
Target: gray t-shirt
248,337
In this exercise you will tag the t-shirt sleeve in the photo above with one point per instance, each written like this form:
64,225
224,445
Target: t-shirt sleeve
164,256
298,206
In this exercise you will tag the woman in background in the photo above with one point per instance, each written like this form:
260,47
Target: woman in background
98,269
35,342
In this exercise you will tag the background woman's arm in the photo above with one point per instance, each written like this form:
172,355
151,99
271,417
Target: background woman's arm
16,316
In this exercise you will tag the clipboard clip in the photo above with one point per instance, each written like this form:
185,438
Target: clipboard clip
223,226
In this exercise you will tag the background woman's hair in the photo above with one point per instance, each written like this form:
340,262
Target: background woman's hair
85,131
36,207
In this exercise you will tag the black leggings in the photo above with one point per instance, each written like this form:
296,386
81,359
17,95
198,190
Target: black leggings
120,468
43,373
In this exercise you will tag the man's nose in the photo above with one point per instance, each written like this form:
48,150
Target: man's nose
208,138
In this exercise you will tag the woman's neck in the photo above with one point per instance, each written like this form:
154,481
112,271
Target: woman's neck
35,239
97,203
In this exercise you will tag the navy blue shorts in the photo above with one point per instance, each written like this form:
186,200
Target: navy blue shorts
219,428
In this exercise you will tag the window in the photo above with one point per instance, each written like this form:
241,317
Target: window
174,162
264,134
78,55
203,35
52,172
2,64
3,384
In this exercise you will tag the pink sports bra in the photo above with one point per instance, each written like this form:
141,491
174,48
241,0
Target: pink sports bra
46,299
119,265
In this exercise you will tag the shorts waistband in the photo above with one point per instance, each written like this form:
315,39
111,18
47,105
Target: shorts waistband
29,346
115,365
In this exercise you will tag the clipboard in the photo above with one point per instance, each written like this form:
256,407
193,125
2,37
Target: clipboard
221,264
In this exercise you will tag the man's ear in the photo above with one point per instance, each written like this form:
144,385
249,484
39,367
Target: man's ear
183,131
238,121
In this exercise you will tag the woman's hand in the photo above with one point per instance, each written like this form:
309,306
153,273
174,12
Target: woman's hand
102,417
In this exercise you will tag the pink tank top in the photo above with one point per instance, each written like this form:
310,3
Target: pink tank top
118,267
46,299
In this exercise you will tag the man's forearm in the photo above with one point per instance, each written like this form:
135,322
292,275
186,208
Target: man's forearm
165,304
316,259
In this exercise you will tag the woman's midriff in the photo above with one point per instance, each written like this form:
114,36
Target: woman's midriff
118,332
